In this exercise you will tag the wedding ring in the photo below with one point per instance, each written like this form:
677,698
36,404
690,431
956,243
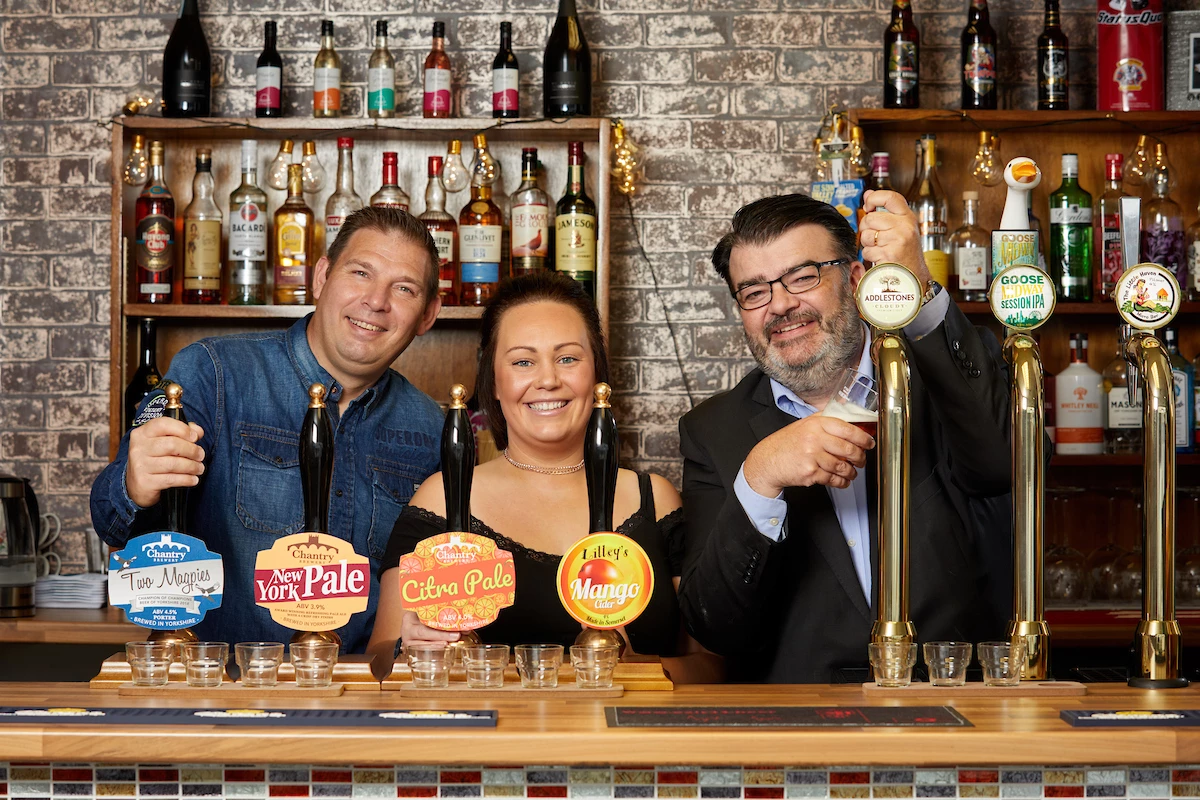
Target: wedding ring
876,242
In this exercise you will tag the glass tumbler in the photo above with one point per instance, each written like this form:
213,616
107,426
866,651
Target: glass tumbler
204,663
259,662
430,665
947,662
538,665
313,662
892,662
150,662
594,666
1001,662
485,665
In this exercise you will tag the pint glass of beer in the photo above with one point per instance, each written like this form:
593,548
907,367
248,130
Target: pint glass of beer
856,401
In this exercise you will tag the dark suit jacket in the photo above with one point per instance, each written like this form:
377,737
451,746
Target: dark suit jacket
794,611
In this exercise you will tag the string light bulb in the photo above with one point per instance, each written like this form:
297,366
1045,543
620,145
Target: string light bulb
1140,163
987,167
311,169
277,172
860,154
454,172
138,100
136,166
626,167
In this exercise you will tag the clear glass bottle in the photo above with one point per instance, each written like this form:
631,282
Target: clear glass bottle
444,230
294,228
390,195
928,202
381,76
1123,417
344,201
246,279
971,248
530,219
1071,235
1079,401
327,76
1184,377
202,237
1108,229
1162,222
277,172
575,225
437,76
455,176
481,244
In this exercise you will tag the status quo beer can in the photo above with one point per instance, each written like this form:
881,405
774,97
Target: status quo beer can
1129,42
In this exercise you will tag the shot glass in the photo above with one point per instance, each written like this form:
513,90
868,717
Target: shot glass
947,662
1001,662
485,665
594,666
430,665
204,663
313,662
259,662
892,662
538,664
150,662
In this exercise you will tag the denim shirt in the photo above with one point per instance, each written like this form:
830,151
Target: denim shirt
249,393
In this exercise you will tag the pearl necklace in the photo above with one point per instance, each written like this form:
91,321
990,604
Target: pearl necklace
543,470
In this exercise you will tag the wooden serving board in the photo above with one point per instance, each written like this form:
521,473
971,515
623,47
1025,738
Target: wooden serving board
1023,689
510,689
229,691
352,671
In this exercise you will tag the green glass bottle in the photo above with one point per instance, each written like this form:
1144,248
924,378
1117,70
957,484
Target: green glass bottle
1071,235
575,225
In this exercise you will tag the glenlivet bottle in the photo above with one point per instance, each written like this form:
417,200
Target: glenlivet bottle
481,242
187,67
566,67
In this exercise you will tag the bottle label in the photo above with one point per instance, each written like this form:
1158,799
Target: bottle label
333,224
248,233
530,231
444,240
202,254
388,204
291,240
156,243
381,89
972,265
327,89
1052,77
938,264
1071,215
269,88
575,243
1113,265
437,90
1193,261
1183,427
902,74
504,90
481,245
1121,412
1078,411
191,85
979,69
568,89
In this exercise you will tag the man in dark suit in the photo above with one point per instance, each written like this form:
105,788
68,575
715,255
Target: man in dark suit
781,549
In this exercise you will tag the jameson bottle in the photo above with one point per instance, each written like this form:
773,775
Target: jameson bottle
381,76
344,201
566,67
187,66
575,225
202,237
1052,71
246,282
506,78
390,195
901,59
147,375
530,219
1108,229
436,101
327,76
268,77
444,230
154,250
481,241
1071,235
294,228
978,59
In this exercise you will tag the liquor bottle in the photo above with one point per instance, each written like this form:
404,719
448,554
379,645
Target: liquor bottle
1123,419
444,230
202,237
979,71
327,76
344,201
381,76
530,219
481,242
437,76
575,225
881,168
918,160
147,376
506,78
1196,409
1108,233
1035,225
1184,377
929,203
187,66
972,249
246,281
1071,235
1079,407
154,213
1192,241
268,77
1162,222
1053,74
294,227
566,67
902,59
390,195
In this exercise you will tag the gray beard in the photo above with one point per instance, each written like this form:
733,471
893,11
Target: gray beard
818,374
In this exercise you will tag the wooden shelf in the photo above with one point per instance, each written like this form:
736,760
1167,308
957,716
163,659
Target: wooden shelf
1106,460
1103,308
197,312
930,120
72,626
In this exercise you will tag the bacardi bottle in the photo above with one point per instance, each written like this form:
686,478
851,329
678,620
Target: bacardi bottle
444,230
154,251
1079,400
1071,235
246,281
530,217
202,237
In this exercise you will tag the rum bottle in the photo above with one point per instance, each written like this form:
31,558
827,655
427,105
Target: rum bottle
481,238
1052,69
901,59
1071,235
154,251
979,72
437,76
381,76
1079,401
390,195
294,227
506,78
1162,222
344,201
246,280
202,237
1184,377
1123,419
530,219
971,247
444,230
1108,225
147,376
268,77
327,76
575,225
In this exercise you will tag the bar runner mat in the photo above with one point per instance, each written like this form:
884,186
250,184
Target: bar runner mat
784,717
249,717
1173,718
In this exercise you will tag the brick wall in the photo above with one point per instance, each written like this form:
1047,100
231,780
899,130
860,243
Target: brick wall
722,95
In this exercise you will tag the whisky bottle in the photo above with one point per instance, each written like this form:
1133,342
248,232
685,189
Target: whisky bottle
1071,235
390,195
506,78
444,230
901,59
436,102
381,76
154,252
268,77
344,201
294,225
971,247
1123,420
530,219
147,376
1108,233
928,202
246,281
1184,377
327,76
1079,404
202,237
575,225
1052,68
481,241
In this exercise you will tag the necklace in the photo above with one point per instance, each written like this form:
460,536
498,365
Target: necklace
543,470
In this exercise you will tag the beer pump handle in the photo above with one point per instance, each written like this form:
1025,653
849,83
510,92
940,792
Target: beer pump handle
175,499
316,461
458,461
601,447
1130,227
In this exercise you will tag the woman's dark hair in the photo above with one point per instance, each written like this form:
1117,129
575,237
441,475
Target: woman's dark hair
534,287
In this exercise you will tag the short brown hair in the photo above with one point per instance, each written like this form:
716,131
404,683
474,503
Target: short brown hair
551,287
389,220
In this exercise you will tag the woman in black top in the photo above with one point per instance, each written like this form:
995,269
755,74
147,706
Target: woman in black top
542,354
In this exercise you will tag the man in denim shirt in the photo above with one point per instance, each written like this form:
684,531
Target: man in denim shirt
245,397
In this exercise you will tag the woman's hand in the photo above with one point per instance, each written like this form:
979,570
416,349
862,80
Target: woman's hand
412,631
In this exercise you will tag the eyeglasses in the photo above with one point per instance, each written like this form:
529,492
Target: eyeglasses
797,280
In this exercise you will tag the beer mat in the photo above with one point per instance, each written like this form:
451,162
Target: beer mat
1125,718
784,717
249,717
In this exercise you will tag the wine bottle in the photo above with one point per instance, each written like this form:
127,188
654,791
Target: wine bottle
187,67
458,461
506,78
601,456
902,59
175,499
1053,74
575,225
530,219
268,91
444,230
381,76
390,195
202,237
247,276
436,103
316,461
294,225
566,67
327,76
154,252
979,59
147,377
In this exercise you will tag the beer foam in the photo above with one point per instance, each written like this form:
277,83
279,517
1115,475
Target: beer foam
839,409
